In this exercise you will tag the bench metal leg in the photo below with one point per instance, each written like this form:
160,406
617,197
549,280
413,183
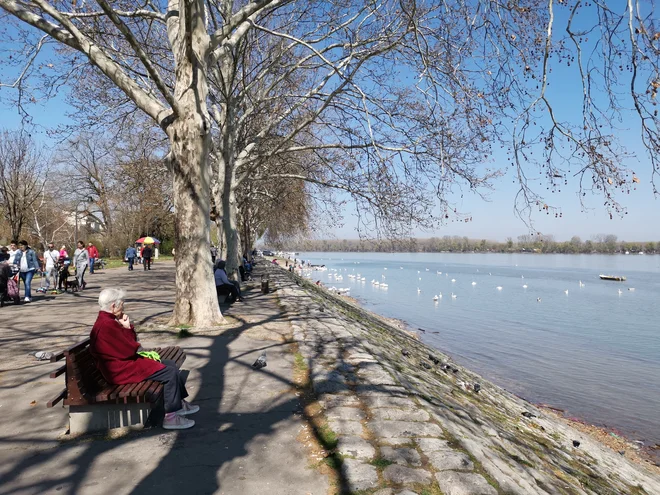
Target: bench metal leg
103,417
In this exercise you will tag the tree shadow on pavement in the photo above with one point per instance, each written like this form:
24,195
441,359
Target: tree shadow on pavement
240,409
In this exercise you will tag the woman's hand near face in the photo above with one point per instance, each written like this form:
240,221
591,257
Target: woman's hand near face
124,321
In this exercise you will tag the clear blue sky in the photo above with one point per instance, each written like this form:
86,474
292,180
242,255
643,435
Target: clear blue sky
494,219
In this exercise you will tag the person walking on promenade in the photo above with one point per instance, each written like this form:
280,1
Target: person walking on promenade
147,253
28,265
114,346
63,254
80,261
13,251
51,259
93,256
130,255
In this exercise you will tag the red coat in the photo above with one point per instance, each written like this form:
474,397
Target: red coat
93,252
115,351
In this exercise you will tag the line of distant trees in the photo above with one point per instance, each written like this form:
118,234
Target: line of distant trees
599,244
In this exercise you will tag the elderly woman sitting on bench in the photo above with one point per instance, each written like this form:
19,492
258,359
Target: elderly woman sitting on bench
115,347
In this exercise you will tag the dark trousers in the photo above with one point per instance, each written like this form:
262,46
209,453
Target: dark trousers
147,263
130,263
233,289
174,387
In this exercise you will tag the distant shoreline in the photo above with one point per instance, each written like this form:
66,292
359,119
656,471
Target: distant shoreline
473,252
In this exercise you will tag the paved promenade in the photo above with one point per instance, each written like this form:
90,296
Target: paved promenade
245,440
347,404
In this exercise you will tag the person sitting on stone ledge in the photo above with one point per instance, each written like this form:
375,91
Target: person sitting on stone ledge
114,346
222,281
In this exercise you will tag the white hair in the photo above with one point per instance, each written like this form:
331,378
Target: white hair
108,297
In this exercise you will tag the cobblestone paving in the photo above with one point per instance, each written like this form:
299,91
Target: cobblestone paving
407,426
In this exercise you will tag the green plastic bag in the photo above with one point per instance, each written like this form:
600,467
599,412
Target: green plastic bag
150,355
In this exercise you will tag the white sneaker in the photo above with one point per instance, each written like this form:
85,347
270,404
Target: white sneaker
27,299
187,409
175,422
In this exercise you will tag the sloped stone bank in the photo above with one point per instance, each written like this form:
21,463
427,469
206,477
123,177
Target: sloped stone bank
408,420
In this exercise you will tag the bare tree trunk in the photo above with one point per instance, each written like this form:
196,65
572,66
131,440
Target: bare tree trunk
230,224
190,140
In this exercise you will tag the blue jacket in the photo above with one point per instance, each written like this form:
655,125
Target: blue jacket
131,252
32,261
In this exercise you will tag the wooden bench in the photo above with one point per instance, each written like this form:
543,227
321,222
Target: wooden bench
94,404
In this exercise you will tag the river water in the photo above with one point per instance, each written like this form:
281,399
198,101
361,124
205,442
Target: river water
593,351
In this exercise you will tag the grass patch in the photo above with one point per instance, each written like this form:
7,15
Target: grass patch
327,437
381,463
183,333
299,363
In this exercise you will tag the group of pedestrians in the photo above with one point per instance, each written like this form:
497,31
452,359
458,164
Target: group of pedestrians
19,262
145,255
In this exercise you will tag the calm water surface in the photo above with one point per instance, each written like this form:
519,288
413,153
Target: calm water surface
593,352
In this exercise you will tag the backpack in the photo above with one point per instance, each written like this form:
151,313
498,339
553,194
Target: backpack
12,289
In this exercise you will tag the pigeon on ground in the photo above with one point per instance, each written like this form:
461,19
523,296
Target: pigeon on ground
476,387
425,365
41,355
405,352
576,443
260,362
434,359
528,414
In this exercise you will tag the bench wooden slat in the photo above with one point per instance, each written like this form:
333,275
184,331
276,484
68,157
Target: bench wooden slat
154,389
57,398
115,393
104,394
176,355
167,353
127,390
139,391
58,371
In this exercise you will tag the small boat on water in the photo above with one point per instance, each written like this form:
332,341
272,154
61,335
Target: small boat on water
616,278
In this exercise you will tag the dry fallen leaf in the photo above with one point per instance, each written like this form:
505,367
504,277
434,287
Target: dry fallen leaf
33,403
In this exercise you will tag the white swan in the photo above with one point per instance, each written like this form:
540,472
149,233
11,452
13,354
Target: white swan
566,292
435,298
620,292
524,286
453,280
384,286
581,284
499,287
474,283
453,296
419,290
631,289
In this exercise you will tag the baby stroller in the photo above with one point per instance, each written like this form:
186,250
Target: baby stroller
8,286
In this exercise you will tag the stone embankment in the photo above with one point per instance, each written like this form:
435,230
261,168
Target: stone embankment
401,418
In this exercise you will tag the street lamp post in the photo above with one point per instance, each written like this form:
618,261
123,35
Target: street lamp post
88,199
